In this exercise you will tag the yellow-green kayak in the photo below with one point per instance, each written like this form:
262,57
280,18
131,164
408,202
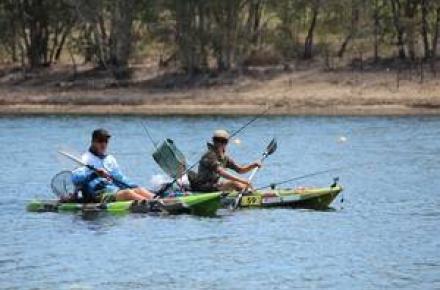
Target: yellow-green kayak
202,204
313,198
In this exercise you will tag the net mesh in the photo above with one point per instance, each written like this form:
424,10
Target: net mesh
170,159
62,185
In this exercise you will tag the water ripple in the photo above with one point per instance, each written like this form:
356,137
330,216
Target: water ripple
386,234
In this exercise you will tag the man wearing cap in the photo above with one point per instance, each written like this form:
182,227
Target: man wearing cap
212,173
108,183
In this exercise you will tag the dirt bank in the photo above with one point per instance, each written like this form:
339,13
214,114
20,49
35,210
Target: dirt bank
296,92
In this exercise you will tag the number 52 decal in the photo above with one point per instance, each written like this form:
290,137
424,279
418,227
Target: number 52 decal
250,200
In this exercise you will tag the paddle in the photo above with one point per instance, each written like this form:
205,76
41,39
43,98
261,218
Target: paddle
78,161
270,149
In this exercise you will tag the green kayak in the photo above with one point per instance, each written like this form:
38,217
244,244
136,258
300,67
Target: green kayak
313,198
202,205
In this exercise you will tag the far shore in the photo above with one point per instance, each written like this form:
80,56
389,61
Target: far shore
209,110
308,91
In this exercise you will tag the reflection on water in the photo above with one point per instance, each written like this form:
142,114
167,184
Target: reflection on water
384,235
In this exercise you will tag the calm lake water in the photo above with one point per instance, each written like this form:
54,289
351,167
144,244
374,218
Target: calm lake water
386,233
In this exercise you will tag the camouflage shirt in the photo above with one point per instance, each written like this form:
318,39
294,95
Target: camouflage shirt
210,161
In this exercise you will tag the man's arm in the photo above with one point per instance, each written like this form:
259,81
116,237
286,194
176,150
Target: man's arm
241,169
117,174
122,180
82,176
225,174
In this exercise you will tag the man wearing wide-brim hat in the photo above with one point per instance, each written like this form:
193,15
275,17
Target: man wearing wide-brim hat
213,174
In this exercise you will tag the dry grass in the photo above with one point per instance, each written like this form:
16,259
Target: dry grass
300,90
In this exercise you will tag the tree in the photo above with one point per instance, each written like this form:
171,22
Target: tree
191,34
121,37
40,28
396,8
308,43
436,34
107,32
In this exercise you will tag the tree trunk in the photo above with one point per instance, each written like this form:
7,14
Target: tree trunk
426,46
353,29
185,17
40,27
395,4
37,23
308,43
344,44
230,30
254,20
410,10
60,46
89,45
376,31
121,37
436,34
201,29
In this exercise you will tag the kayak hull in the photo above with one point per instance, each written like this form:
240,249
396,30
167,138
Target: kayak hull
312,198
201,205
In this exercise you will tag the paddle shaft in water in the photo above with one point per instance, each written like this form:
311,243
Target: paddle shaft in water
94,169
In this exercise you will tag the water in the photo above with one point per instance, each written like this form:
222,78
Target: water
385,235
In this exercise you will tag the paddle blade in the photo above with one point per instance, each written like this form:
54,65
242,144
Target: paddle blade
73,158
272,147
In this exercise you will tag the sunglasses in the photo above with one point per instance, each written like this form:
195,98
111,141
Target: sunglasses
102,141
221,140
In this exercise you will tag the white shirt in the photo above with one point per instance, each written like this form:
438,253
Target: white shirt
108,163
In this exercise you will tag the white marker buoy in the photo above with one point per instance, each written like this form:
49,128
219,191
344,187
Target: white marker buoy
342,139
236,141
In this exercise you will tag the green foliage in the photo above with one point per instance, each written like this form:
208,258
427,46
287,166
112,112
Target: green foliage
200,35
36,28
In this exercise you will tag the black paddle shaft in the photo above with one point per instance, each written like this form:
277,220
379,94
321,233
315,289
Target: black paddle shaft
93,168
114,180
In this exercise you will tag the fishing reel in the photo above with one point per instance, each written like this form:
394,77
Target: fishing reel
335,182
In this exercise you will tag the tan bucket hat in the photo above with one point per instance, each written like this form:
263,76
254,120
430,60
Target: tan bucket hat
221,134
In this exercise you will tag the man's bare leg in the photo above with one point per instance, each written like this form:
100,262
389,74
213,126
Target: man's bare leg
231,186
128,194
143,192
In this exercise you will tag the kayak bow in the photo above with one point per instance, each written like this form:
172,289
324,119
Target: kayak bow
312,198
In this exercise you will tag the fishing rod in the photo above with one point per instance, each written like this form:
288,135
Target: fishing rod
252,120
274,184
234,133
148,134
